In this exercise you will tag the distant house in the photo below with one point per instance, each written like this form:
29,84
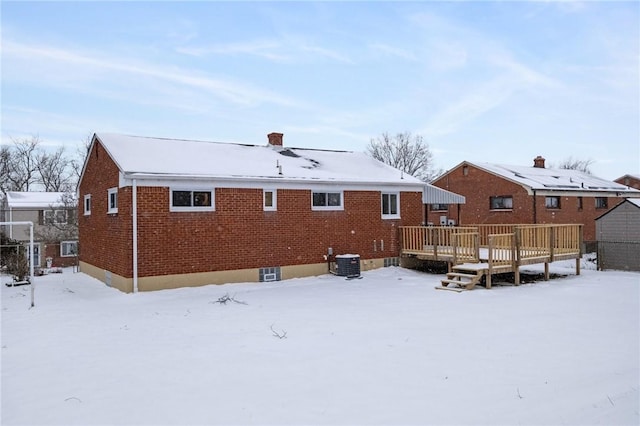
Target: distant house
54,217
498,193
163,213
632,181
618,235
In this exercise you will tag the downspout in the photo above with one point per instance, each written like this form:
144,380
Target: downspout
135,235
535,211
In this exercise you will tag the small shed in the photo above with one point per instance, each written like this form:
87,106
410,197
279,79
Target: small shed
618,237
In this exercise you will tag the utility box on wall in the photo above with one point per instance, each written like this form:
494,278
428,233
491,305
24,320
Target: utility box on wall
348,265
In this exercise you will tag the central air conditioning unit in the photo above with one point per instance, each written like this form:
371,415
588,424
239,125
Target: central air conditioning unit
443,221
348,265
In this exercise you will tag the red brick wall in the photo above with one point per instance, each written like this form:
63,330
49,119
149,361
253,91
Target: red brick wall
629,181
478,186
104,239
237,235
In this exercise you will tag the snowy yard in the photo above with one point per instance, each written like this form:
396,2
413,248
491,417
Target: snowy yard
385,349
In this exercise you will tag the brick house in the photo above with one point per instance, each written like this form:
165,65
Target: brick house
163,213
498,193
55,229
632,181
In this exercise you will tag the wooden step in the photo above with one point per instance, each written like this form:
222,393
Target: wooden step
456,282
461,275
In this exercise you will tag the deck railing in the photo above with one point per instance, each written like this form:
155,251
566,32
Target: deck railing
542,242
465,247
432,239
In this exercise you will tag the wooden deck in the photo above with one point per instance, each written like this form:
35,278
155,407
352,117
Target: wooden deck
477,251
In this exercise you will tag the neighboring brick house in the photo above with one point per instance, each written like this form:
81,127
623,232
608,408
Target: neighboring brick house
55,228
208,212
516,194
632,181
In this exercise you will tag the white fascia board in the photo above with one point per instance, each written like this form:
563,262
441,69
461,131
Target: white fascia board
581,193
267,182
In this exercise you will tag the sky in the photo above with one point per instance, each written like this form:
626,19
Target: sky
499,82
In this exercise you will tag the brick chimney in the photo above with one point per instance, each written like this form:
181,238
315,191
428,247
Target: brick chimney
275,139
538,162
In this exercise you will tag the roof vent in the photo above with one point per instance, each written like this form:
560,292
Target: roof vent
538,162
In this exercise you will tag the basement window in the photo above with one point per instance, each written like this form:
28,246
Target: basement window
192,200
552,202
502,202
326,200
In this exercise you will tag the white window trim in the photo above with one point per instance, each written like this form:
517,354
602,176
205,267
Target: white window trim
328,208
68,242
210,208
110,209
391,216
54,219
274,198
501,209
87,212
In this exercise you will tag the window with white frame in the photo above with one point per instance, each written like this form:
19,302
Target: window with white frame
503,202
87,204
192,200
55,217
390,205
321,200
68,248
270,199
601,203
439,207
112,200
552,202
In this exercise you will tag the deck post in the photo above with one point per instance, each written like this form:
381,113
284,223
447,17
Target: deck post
546,271
578,266
516,274
488,279
552,236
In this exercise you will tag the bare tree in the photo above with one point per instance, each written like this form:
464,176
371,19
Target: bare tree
21,164
61,220
406,152
54,169
26,166
82,151
5,169
575,164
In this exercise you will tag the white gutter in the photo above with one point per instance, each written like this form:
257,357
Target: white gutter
135,235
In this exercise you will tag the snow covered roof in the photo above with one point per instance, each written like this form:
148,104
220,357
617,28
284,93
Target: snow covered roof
540,178
634,201
148,157
34,199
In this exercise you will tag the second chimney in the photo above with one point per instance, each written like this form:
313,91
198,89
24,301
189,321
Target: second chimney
538,162
275,139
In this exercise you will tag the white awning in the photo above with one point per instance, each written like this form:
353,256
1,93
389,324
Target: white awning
434,195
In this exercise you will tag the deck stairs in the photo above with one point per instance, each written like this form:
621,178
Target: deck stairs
462,277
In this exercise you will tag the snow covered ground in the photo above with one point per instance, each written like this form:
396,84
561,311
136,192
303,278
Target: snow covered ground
385,349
